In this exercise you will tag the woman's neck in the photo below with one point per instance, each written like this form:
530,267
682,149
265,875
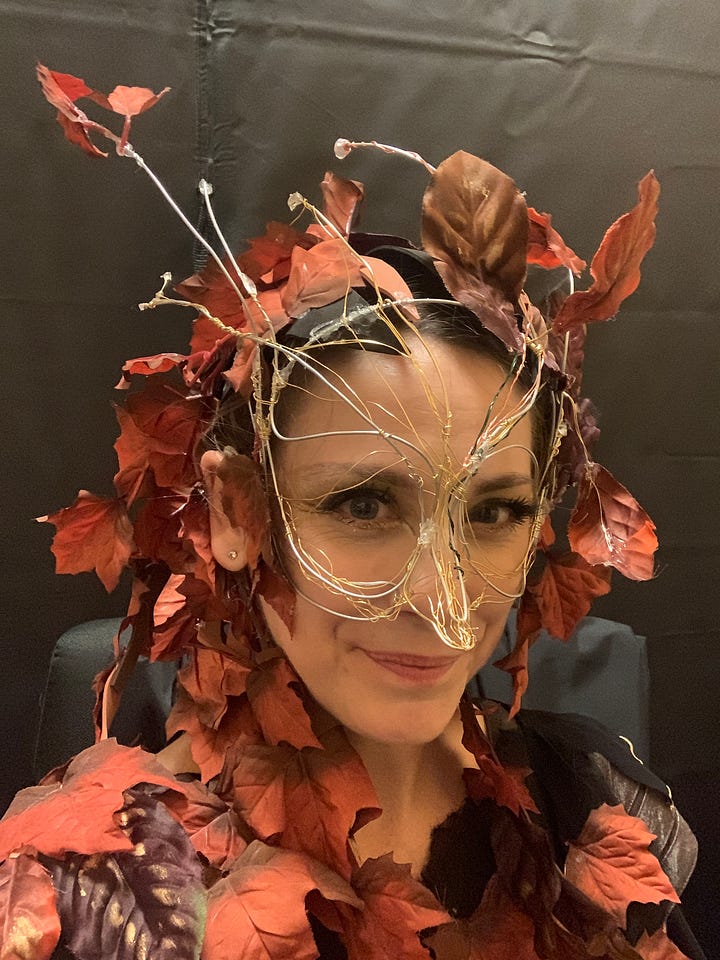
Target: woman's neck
418,786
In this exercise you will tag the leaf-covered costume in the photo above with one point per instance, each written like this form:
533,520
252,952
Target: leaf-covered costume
258,862
114,857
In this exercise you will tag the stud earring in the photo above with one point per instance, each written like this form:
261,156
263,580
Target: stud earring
232,554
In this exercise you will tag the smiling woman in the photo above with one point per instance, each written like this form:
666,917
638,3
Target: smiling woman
329,508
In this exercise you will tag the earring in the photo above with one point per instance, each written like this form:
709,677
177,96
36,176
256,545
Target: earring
232,554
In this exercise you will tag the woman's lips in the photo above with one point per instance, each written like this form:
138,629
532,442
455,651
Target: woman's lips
417,669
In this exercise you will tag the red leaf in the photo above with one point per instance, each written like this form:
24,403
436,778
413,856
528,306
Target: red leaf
29,922
397,907
160,428
475,219
566,590
211,747
342,201
608,526
77,814
546,247
94,533
160,363
258,911
320,276
658,947
611,863
516,662
75,132
211,676
313,798
278,706
62,90
615,268
504,785
128,101
386,279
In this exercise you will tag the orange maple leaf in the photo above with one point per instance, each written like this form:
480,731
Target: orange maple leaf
94,533
611,863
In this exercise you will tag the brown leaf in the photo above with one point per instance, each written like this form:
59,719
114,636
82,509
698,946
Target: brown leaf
94,533
258,911
566,590
611,863
475,220
608,526
397,907
546,247
658,947
342,201
29,922
516,662
496,931
615,268
77,814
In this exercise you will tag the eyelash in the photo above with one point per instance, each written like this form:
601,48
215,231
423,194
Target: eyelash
520,510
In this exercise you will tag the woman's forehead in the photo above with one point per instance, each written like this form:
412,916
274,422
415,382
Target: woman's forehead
426,410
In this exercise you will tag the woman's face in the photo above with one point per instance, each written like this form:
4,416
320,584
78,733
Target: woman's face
380,499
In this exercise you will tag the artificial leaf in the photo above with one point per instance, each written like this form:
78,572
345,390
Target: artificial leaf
615,268
62,90
273,690
496,314
386,278
320,276
212,747
94,533
160,428
397,908
29,922
147,366
505,785
245,503
611,863
240,373
128,101
210,676
495,931
475,218
658,947
157,529
77,813
342,201
258,911
608,526
565,592
546,247
311,799
147,902
516,662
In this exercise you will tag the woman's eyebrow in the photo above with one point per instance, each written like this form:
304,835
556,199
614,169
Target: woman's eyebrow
502,481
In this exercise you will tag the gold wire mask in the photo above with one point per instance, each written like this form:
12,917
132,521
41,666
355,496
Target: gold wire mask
405,525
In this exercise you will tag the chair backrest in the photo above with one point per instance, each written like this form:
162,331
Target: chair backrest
601,672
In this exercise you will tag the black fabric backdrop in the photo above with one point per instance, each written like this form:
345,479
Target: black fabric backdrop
575,100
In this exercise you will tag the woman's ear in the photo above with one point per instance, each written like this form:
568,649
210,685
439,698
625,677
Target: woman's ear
229,543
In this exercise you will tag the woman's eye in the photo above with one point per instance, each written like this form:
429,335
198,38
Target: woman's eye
363,508
500,514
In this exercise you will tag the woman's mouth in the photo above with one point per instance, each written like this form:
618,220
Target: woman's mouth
412,667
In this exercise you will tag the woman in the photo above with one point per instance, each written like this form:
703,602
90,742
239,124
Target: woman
329,508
